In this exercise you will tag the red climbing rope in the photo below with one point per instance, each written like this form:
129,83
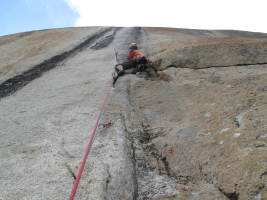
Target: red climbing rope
89,145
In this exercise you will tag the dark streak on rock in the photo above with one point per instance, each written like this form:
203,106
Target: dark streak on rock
107,180
13,84
231,195
104,42
222,66
70,171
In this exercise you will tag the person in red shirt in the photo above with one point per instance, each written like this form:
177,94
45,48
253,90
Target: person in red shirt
134,52
136,62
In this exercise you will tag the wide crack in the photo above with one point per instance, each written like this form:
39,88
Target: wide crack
152,173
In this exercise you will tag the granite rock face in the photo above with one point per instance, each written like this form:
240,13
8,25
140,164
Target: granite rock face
201,49
208,125
20,52
211,133
197,131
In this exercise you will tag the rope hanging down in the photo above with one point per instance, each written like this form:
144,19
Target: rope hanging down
90,142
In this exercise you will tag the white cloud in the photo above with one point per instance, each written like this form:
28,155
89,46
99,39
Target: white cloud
205,14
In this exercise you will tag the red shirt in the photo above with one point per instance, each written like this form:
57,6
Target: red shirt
134,53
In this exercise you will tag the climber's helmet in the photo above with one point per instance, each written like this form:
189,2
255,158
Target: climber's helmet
133,46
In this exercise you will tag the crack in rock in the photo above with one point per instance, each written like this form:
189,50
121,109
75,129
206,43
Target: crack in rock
230,195
72,173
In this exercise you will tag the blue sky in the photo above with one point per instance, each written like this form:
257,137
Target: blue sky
26,15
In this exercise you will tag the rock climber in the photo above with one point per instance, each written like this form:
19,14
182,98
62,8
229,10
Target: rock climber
137,62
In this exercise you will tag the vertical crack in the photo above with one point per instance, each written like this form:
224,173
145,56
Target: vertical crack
70,171
108,179
132,156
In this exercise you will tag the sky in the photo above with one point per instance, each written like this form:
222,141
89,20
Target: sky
25,15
